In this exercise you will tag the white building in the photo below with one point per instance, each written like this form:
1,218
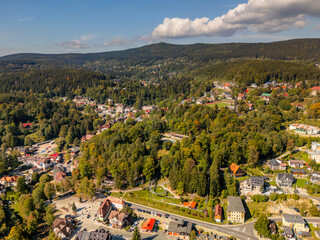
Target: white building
304,129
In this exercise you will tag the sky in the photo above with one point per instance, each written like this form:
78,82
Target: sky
64,26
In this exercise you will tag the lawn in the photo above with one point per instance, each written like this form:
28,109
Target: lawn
254,172
302,156
302,183
220,104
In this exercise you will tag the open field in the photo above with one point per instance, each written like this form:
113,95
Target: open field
220,104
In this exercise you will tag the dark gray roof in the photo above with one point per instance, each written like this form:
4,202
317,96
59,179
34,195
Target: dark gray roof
99,234
183,228
293,218
235,204
302,171
257,181
273,162
282,176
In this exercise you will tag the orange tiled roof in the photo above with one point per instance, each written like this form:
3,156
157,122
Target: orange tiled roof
234,168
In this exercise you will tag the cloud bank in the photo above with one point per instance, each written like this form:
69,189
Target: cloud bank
257,15
73,44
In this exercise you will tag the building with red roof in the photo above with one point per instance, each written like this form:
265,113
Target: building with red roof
315,91
148,225
116,202
104,210
27,125
191,204
218,213
236,171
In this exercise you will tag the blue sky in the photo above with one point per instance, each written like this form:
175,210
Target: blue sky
92,26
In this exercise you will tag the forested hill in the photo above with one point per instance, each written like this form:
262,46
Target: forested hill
291,49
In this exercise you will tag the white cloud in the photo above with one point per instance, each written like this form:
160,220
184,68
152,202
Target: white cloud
73,44
25,19
118,42
256,15
88,37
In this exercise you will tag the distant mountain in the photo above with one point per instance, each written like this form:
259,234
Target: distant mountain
291,49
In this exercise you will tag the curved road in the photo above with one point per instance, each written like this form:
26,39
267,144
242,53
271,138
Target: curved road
239,234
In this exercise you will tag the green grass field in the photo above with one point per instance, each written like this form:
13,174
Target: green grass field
302,183
220,104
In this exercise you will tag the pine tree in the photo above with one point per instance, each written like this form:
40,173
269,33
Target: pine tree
74,208
136,234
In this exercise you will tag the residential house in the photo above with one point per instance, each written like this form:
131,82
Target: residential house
298,172
59,172
63,228
314,91
9,181
150,107
74,152
265,96
227,95
148,225
37,161
218,213
296,163
235,210
87,137
104,210
118,219
26,125
175,136
181,229
314,153
253,185
295,222
199,101
284,180
236,171
315,177
276,164
191,204
56,157
241,96
99,234
116,202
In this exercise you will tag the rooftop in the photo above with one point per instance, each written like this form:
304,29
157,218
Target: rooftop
235,204
293,218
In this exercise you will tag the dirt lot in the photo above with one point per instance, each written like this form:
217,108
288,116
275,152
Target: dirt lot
287,207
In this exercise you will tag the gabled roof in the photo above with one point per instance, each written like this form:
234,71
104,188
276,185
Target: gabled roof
104,207
218,210
234,168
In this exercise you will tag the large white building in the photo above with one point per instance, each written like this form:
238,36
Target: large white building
304,129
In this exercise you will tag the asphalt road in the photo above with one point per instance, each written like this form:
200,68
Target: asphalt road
241,233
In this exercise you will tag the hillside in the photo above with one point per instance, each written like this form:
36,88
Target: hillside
291,49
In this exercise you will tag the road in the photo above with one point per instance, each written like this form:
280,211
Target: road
230,230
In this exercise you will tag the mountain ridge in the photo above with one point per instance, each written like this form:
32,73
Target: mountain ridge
308,48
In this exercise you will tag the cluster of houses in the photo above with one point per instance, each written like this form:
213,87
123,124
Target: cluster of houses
116,111
110,211
304,129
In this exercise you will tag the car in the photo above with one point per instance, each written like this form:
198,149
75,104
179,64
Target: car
88,216
296,209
